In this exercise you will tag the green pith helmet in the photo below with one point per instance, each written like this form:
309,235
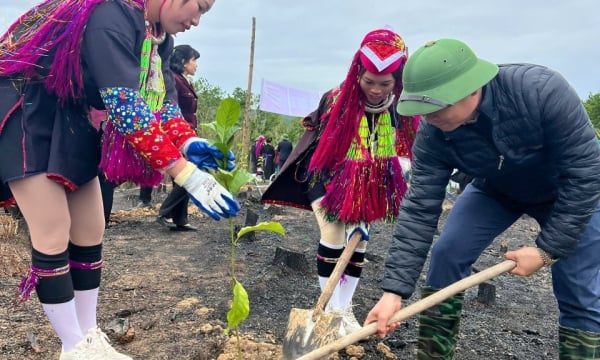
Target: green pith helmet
440,74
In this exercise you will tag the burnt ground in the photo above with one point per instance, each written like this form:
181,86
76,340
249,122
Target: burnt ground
171,290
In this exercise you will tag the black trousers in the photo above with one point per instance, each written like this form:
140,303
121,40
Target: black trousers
107,188
175,206
146,194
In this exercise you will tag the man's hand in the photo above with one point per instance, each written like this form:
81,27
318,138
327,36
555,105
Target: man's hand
382,312
528,260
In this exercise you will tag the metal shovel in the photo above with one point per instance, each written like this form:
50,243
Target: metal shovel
413,309
311,329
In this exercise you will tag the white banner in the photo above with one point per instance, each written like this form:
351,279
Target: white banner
285,100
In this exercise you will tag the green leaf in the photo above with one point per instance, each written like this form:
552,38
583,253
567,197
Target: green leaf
240,177
230,135
263,226
210,126
228,113
240,307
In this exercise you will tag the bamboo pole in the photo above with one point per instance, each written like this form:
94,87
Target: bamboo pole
413,309
246,124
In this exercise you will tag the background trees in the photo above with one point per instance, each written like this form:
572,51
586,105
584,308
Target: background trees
261,122
592,105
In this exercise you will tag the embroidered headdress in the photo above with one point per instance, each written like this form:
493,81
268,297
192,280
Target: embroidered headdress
260,141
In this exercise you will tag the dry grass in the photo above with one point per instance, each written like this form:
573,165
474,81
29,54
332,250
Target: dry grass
14,249
9,227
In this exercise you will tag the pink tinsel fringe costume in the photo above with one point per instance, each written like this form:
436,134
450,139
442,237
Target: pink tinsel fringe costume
53,64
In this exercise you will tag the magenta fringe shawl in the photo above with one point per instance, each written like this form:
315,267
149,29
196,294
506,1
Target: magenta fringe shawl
120,162
379,187
52,25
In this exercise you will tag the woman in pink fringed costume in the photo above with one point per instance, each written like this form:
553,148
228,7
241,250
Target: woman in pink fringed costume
345,167
56,61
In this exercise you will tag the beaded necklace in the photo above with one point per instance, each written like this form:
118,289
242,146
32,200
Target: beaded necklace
152,83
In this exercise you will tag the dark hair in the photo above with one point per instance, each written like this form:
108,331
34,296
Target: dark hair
181,55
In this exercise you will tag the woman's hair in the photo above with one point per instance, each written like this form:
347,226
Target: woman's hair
382,51
181,55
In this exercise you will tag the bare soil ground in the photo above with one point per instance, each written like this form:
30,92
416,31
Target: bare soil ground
171,290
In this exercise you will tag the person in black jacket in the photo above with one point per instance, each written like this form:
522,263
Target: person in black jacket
522,132
267,153
283,150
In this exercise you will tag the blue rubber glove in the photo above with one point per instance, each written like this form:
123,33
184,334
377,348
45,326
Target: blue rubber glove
204,155
207,193
361,227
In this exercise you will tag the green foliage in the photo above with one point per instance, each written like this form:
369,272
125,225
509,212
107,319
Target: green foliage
225,127
240,307
209,98
295,129
223,131
592,106
233,180
269,226
261,122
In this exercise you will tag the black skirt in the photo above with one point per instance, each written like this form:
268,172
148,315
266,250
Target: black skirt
40,136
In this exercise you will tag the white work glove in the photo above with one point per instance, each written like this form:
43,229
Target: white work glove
351,229
207,193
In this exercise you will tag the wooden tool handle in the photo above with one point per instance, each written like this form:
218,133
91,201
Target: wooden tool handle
413,309
335,276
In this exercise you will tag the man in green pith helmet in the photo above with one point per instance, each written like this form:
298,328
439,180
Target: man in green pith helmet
522,132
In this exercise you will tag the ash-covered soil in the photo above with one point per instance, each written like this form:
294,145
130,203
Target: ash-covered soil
172,290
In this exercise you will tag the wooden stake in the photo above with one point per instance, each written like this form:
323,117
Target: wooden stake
246,125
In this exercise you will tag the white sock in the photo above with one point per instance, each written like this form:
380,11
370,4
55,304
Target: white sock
63,318
334,299
346,291
86,302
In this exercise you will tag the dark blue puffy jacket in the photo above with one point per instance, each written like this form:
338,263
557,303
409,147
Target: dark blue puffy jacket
533,144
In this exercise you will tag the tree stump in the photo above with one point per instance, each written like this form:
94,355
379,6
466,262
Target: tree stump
291,258
251,220
486,294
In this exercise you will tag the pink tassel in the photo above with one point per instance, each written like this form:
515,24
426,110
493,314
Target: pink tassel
31,279
120,162
28,283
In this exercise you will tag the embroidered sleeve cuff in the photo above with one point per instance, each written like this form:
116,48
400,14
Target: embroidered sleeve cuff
155,147
179,131
170,111
126,109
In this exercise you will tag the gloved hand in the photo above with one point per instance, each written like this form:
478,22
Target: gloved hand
205,155
351,229
207,193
